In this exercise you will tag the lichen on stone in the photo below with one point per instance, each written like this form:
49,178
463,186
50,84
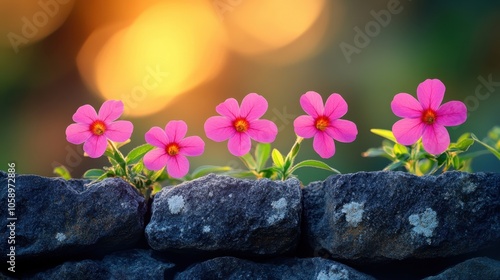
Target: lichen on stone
334,273
280,207
60,237
424,223
353,213
176,204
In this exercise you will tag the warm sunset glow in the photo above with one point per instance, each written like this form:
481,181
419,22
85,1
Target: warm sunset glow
95,14
87,56
26,22
169,49
259,26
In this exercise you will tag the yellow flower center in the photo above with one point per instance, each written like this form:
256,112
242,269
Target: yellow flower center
172,149
429,116
98,128
241,125
322,123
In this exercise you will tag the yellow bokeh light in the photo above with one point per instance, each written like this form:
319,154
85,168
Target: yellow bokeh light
86,58
26,22
169,49
260,26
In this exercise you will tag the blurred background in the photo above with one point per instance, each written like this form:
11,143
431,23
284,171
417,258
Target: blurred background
176,60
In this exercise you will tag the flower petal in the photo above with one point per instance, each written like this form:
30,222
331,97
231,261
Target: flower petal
119,131
156,137
177,166
219,128
95,146
304,126
239,144
312,103
435,139
342,130
155,159
408,131
78,133
335,106
253,106
229,108
430,93
451,113
110,110
324,145
406,106
85,114
191,146
176,130
263,131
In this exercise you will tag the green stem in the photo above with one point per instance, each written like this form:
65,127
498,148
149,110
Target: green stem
121,159
290,157
413,167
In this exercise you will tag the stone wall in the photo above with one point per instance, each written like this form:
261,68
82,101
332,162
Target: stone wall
366,225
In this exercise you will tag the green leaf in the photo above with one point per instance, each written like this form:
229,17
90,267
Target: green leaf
163,176
120,159
157,174
138,167
63,172
156,188
373,152
113,162
456,162
249,161
313,163
207,169
489,148
387,134
403,157
388,150
463,137
270,173
463,145
400,149
94,173
262,153
394,165
442,158
278,158
294,151
137,153
426,165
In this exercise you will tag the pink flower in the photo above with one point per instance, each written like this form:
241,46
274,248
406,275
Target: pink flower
172,148
95,129
239,125
324,123
426,117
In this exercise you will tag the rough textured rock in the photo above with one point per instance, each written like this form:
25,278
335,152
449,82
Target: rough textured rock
477,268
125,265
224,215
61,219
287,269
376,216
